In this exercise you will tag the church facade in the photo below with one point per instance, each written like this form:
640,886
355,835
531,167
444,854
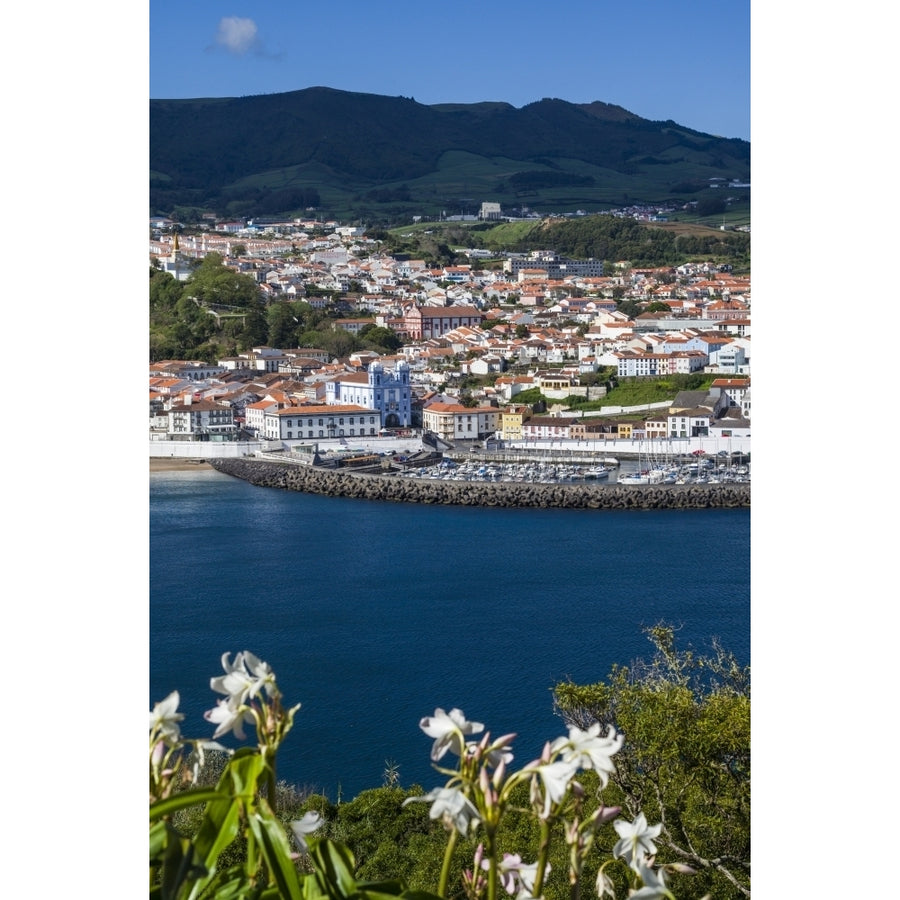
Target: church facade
378,388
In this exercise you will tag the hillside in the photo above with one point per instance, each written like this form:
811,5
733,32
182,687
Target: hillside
606,237
388,158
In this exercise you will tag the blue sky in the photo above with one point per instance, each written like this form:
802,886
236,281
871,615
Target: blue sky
660,59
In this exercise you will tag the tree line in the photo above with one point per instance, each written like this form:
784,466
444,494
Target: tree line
219,313
615,238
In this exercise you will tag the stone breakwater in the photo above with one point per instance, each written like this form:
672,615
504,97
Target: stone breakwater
331,483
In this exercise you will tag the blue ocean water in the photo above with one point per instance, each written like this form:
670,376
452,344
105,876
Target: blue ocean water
374,614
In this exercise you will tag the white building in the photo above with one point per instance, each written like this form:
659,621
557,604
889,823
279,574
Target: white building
255,414
547,427
631,364
175,263
201,421
690,423
383,390
266,359
297,423
733,390
453,421
731,359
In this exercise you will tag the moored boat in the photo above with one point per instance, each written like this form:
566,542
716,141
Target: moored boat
634,478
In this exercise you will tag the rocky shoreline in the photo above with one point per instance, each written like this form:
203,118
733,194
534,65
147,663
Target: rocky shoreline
331,483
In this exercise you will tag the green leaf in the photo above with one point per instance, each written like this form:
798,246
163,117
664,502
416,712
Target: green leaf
217,830
243,772
382,895
334,866
276,852
158,839
234,886
391,888
180,801
180,867
312,888
220,824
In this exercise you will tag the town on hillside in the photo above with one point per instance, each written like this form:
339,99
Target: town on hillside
474,348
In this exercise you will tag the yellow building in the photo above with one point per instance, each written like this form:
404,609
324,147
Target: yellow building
511,420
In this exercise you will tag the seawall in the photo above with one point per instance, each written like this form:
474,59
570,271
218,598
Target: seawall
330,483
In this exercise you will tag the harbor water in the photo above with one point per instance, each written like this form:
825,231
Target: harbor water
374,614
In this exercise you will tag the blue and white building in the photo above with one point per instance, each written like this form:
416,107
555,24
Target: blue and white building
378,388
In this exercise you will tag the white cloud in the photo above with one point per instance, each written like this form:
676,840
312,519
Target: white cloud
237,35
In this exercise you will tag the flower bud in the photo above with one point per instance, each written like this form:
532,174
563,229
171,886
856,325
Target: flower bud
604,814
681,868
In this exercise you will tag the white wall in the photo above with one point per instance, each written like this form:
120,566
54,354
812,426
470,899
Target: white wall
657,447
202,449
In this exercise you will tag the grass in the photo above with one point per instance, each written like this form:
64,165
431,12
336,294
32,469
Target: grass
641,392
461,174
634,393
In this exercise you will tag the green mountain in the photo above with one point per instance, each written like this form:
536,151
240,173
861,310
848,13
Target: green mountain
387,158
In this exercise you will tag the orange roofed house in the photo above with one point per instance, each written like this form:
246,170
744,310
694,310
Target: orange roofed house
303,423
453,421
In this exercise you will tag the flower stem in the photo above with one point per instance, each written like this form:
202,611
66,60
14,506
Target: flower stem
492,872
543,853
445,868
268,754
270,786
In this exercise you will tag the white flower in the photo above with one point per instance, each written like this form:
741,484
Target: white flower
528,876
556,777
310,822
244,678
229,717
605,885
499,753
165,717
590,751
200,755
262,673
448,729
451,806
654,885
236,681
506,869
515,876
635,840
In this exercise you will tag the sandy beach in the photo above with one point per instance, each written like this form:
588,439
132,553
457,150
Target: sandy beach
175,464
